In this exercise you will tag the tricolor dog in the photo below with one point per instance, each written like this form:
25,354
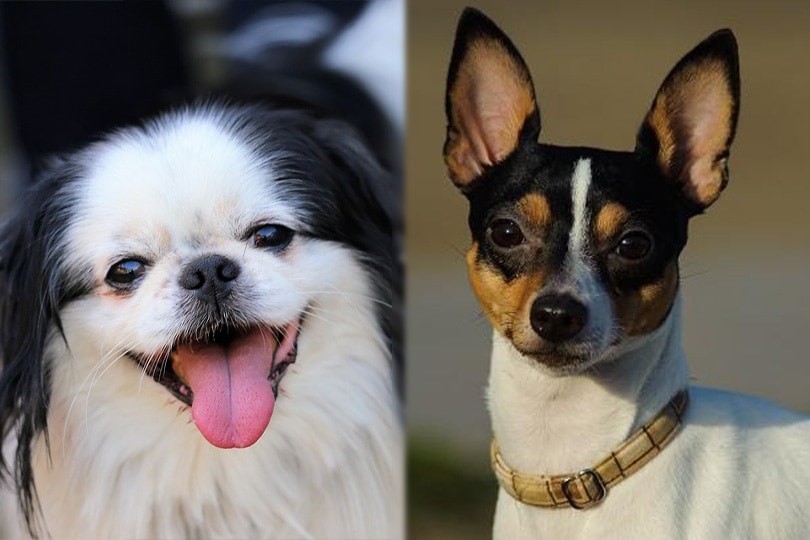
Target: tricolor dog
574,260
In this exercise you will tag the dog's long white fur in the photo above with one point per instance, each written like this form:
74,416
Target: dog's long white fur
326,468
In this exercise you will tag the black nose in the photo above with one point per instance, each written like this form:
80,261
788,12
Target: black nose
209,277
558,317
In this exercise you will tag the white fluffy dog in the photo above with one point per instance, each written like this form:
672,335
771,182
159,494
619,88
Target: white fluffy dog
197,334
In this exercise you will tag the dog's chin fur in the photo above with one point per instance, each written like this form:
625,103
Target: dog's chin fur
594,357
99,447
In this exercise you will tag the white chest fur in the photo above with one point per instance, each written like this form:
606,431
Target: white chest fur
737,462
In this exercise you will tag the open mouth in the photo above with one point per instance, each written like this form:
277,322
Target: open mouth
167,370
229,377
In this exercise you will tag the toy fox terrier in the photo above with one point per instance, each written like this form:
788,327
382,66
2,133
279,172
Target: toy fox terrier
574,260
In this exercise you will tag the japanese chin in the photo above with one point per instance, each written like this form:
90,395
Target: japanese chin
199,329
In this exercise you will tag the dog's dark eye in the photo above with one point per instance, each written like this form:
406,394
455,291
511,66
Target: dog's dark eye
634,245
273,237
125,274
505,233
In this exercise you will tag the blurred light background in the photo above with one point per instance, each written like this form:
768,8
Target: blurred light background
596,67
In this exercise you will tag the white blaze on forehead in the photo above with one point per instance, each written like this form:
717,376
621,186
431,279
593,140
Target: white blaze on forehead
580,186
580,276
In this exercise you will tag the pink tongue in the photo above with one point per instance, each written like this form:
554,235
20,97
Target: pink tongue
233,398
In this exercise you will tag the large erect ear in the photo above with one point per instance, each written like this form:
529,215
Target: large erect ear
691,123
490,100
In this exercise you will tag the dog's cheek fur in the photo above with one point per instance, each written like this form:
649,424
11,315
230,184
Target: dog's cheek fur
644,309
505,302
370,222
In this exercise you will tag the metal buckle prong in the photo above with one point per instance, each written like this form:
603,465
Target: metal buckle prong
601,489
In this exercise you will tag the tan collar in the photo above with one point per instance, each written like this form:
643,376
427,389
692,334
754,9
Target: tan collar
589,486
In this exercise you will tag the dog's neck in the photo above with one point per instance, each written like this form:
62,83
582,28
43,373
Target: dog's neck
553,424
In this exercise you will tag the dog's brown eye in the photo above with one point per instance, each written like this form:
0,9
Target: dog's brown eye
125,274
505,233
274,237
634,245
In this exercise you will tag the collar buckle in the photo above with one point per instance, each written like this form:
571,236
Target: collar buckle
588,490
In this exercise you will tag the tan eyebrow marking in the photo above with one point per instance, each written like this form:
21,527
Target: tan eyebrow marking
609,221
535,209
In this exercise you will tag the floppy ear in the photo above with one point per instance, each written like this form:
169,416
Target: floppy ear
490,101
691,123
32,291
25,309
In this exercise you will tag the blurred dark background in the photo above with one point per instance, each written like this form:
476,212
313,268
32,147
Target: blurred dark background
596,67
72,70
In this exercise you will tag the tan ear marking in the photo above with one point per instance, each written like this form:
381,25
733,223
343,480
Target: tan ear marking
693,118
489,99
698,99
